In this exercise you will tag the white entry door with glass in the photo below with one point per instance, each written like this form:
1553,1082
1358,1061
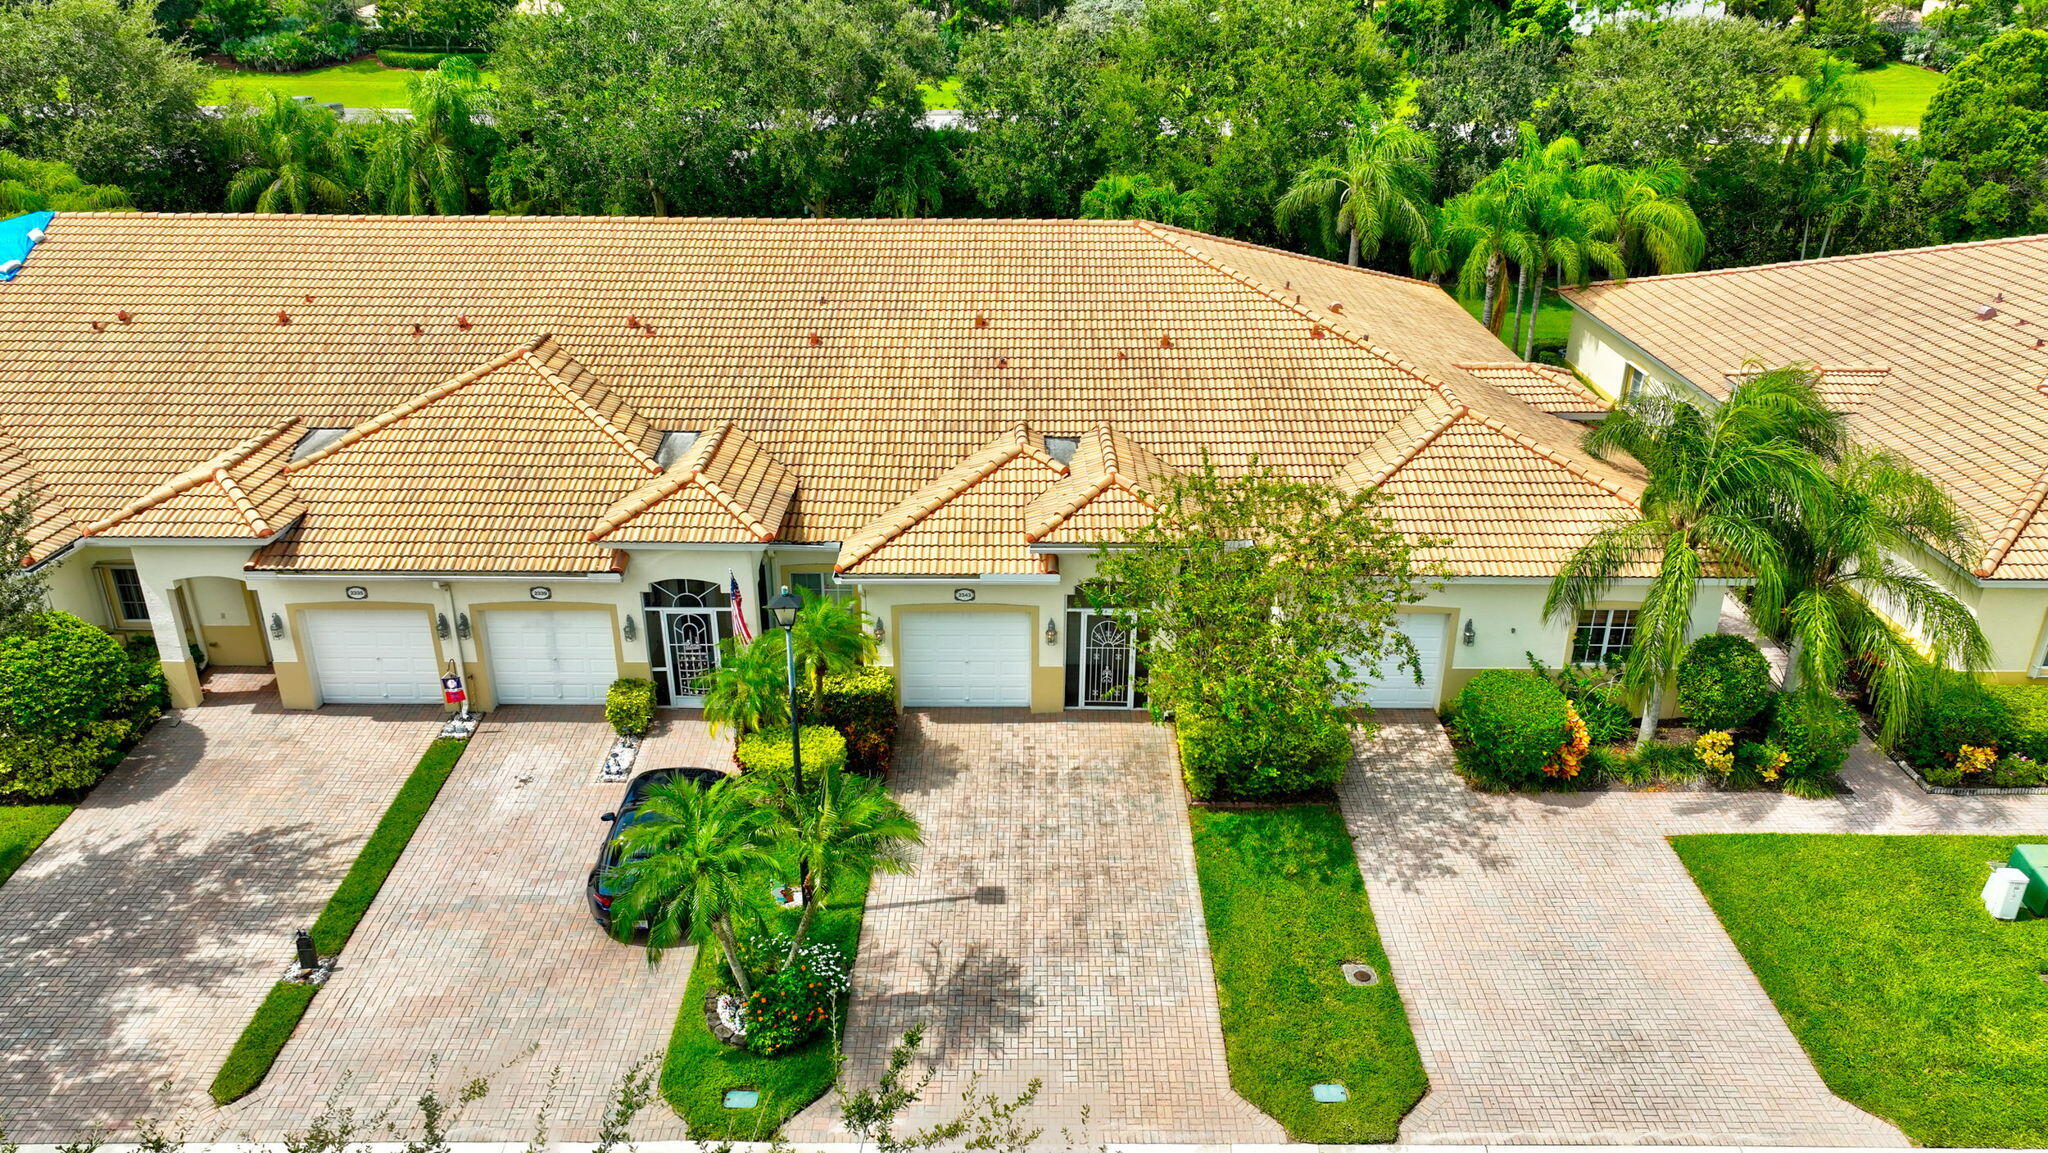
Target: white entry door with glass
687,622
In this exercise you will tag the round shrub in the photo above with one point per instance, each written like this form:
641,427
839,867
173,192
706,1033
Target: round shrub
1955,709
1507,725
1815,731
629,706
1275,753
1724,682
55,677
862,705
766,753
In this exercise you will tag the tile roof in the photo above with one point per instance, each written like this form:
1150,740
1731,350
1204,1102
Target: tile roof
856,362
238,494
967,520
1111,486
1938,353
1542,386
51,527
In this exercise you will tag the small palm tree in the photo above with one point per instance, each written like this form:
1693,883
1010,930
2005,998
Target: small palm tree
1844,553
424,164
300,164
831,636
843,823
1120,197
1484,231
1832,98
1655,229
749,690
1718,484
1377,187
687,860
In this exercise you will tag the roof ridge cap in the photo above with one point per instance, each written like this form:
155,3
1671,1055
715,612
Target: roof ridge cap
717,438
893,528
1545,451
1459,411
1033,533
1380,273
2022,515
393,415
1841,258
213,470
589,411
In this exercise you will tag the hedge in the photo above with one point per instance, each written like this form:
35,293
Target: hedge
862,706
424,59
1507,724
2027,708
72,698
767,752
1724,682
1955,710
1275,756
629,706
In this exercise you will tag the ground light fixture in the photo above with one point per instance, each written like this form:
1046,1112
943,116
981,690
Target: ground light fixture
783,611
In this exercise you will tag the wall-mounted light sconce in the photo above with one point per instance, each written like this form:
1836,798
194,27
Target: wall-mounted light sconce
462,625
441,625
1471,634
276,625
1052,633
879,635
627,629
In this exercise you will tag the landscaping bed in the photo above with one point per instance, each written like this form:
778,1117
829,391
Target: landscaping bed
1286,908
1912,1002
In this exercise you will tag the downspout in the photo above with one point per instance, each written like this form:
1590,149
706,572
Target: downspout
455,640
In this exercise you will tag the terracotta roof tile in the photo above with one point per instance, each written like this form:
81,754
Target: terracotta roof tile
51,527
967,520
725,488
241,493
1110,487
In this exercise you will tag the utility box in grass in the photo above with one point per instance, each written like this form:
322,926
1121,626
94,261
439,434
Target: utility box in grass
2033,861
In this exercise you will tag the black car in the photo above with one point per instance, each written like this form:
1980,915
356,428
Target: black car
598,887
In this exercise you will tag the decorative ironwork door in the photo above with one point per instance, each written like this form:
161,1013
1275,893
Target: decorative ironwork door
691,637
1108,663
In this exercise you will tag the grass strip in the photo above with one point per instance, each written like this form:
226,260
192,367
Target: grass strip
1285,908
1912,1003
258,1046
699,1067
22,829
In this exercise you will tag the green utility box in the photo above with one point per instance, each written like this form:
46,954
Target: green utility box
2033,861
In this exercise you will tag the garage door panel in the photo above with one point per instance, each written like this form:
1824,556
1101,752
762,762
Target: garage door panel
372,657
965,659
1395,687
551,656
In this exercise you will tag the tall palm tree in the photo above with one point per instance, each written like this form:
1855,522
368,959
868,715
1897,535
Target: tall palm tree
1571,234
1832,98
425,164
1377,187
1718,482
831,636
301,162
1846,578
687,860
749,690
843,824
1484,231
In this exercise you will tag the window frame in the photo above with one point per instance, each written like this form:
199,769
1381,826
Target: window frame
1607,623
110,589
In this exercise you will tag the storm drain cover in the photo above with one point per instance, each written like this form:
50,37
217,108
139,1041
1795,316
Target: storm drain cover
1358,973
742,1098
1330,1094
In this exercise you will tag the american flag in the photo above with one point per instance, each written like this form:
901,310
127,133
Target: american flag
739,608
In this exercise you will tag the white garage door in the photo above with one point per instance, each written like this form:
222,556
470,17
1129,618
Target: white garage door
1395,687
551,656
965,659
372,656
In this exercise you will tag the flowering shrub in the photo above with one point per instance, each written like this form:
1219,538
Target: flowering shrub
2017,771
792,1002
1975,759
1716,750
1577,741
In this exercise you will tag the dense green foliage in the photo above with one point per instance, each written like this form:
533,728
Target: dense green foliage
1280,757
425,58
1953,710
1985,135
72,698
22,829
862,705
1507,726
261,1040
1285,908
1911,1002
1723,682
629,706
1816,731
2027,731
768,752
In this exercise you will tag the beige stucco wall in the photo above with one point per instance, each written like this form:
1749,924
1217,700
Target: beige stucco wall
1603,357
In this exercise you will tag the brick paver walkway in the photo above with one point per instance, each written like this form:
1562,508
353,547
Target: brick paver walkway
1567,982
480,957
137,941
1053,930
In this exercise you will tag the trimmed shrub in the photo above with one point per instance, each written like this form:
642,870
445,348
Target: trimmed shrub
1507,725
790,1005
1724,683
1279,756
1815,731
629,706
71,698
2028,707
862,706
2019,772
1955,710
1596,693
424,59
767,752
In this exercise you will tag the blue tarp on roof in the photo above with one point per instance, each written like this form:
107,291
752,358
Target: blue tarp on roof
18,236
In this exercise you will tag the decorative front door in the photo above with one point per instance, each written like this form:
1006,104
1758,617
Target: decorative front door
1108,663
691,639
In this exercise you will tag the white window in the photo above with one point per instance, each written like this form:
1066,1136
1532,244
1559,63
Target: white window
125,599
1603,633
1632,378
818,584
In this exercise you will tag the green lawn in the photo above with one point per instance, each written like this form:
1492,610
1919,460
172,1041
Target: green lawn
945,94
1901,93
359,84
1913,1003
22,828
700,1068
1553,322
1285,907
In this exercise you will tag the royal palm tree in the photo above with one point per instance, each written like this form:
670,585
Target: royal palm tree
1377,187
1832,98
686,862
1844,557
1718,482
301,162
831,636
843,824
749,690
424,164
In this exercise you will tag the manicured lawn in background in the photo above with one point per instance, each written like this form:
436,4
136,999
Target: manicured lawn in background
1901,93
945,94
22,828
1553,322
1913,1003
359,84
1285,907
700,1068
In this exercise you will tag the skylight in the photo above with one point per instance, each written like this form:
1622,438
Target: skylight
316,439
673,445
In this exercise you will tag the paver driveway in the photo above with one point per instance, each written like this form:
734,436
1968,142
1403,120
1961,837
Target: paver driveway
479,957
1053,930
137,941
1567,982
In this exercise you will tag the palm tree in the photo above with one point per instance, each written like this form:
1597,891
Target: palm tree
1483,231
1846,577
424,164
831,636
749,690
1572,236
1718,483
1832,98
1377,187
1654,227
300,161
687,860
844,824
1120,197
51,185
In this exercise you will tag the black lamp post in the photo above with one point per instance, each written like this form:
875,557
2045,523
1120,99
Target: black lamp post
782,610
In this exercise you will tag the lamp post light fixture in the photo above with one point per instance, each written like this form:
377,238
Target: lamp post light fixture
783,610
